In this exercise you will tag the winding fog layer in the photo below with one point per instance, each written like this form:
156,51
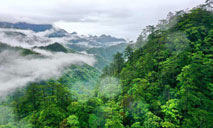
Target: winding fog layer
17,71
27,38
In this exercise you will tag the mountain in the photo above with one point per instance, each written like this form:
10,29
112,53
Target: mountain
82,43
56,47
162,81
46,33
58,33
22,38
72,73
23,51
108,52
167,80
78,79
26,26
44,36
107,39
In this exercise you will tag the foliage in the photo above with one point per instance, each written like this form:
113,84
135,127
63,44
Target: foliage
166,82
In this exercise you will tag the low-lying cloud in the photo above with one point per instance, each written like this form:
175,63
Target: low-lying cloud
17,71
28,38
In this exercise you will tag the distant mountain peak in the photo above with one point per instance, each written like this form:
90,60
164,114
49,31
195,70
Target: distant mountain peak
45,34
26,26
74,33
55,47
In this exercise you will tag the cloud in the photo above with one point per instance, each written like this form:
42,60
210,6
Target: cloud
17,71
109,87
122,18
24,38
29,39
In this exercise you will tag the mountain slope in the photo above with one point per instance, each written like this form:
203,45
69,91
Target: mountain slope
23,51
56,47
167,82
107,53
26,26
47,37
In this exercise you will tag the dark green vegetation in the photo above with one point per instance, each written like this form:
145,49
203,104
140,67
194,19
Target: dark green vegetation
166,82
56,47
45,103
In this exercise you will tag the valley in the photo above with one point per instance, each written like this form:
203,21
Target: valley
51,78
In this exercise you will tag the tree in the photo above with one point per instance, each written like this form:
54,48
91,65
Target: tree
128,53
114,119
136,125
172,114
72,121
51,116
195,87
118,63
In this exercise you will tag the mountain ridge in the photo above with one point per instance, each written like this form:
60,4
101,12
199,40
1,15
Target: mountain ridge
26,26
46,36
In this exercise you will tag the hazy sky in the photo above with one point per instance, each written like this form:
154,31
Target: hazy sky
121,18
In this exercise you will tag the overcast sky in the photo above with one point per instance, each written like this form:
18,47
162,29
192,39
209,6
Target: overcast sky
121,18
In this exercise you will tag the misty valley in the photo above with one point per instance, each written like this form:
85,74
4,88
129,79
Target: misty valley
52,78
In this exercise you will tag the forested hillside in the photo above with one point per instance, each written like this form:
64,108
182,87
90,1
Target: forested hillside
164,81
167,82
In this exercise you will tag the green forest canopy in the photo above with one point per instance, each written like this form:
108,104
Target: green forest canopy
164,81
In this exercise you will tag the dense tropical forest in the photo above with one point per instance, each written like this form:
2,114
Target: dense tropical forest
164,80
